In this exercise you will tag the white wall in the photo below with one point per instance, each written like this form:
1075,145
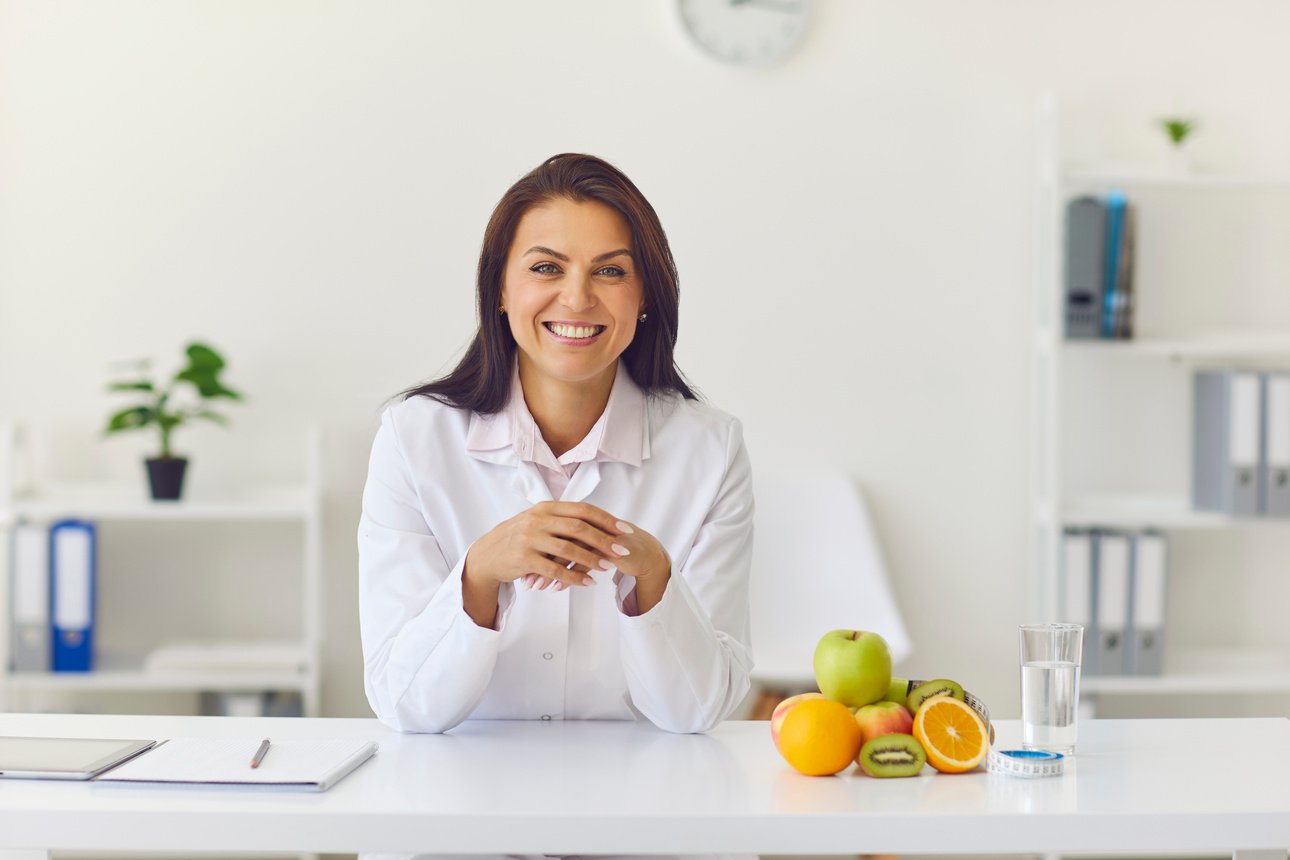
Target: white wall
306,184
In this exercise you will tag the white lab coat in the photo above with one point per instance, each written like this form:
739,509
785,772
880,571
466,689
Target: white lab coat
684,665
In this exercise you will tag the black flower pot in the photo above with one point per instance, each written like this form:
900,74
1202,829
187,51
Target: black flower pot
166,476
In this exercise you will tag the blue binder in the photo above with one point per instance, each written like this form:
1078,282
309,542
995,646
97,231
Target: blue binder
72,573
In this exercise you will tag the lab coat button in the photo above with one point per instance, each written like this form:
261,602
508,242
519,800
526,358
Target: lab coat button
546,717
547,656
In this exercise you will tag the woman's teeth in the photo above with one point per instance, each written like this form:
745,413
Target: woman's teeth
574,331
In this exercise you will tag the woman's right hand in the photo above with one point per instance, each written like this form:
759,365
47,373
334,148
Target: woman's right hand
558,541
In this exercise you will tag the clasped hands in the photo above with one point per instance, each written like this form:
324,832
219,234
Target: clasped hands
560,543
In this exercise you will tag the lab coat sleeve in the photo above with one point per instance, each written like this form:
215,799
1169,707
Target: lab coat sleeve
688,659
426,663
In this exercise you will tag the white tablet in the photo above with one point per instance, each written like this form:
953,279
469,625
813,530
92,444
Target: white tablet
64,758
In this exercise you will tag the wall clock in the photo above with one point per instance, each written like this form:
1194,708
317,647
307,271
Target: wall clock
745,32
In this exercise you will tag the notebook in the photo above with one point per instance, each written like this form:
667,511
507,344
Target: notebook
299,765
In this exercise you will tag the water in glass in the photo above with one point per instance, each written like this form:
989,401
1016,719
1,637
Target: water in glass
1049,705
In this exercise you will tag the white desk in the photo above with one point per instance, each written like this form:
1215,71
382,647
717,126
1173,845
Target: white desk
588,788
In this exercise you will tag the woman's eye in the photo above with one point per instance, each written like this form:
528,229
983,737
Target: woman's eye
545,269
612,271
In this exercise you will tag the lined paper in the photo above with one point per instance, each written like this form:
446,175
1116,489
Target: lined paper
227,761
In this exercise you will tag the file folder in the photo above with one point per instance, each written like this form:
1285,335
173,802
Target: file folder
29,596
1112,601
1085,266
1075,597
72,573
1275,485
1147,604
1226,442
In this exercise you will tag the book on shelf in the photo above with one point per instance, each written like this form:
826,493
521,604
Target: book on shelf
1099,267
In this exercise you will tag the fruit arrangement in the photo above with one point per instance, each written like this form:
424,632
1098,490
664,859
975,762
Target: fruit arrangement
889,727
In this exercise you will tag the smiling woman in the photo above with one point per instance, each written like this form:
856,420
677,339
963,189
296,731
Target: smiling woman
559,528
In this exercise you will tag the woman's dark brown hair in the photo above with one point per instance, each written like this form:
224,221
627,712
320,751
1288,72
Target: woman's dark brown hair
482,380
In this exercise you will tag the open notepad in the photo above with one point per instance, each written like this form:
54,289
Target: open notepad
314,765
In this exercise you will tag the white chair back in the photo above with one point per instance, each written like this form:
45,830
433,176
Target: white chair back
817,566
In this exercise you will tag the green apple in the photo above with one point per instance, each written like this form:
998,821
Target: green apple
898,692
853,667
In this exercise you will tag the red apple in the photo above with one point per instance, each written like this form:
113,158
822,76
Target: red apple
884,718
782,709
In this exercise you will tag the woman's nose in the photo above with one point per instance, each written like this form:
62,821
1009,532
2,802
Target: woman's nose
577,294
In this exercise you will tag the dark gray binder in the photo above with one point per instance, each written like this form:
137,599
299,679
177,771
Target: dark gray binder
1226,442
1085,266
1274,486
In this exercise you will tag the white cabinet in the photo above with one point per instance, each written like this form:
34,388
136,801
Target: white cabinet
276,650
1112,420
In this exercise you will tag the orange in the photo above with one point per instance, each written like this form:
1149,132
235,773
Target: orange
954,736
819,737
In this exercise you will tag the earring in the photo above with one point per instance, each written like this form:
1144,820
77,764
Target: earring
501,310
641,318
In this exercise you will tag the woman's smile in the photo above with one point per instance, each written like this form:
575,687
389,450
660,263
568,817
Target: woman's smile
574,333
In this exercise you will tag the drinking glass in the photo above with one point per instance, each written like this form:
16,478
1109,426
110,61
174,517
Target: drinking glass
1050,661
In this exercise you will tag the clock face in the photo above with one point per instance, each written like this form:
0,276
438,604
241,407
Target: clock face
746,32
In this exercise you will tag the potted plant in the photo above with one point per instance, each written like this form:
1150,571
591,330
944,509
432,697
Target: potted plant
1178,129
202,373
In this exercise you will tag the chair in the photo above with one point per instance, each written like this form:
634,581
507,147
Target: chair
816,567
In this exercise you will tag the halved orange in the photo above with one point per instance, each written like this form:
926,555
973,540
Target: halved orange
955,737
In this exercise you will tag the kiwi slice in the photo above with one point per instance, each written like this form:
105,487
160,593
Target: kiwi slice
892,755
927,689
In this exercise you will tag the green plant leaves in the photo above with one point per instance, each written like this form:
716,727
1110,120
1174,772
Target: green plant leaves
141,385
204,365
131,419
202,372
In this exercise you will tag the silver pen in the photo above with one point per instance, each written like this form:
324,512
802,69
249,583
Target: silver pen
259,754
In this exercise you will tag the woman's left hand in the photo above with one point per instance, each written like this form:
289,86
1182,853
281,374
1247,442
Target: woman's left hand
637,554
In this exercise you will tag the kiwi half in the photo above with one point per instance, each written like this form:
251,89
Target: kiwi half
892,755
939,687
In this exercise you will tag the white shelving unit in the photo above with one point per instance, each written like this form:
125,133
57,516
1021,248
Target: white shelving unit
296,505
1058,500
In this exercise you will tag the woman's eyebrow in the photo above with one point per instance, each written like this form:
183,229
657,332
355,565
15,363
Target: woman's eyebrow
542,249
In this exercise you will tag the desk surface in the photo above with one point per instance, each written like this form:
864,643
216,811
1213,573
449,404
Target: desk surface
604,787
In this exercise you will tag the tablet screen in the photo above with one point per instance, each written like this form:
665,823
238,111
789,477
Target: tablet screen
20,756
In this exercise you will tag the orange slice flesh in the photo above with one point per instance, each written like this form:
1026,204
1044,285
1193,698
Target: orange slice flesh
954,736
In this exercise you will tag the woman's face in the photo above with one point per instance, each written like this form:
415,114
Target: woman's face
571,290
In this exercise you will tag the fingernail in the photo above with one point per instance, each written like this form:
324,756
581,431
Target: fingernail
625,529
559,586
526,584
606,564
621,550
586,580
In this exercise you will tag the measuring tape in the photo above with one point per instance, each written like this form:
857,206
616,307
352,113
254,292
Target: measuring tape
1026,763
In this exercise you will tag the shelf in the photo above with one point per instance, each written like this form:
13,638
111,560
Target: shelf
131,502
1138,511
1215,346
1140,178
1201,673
137,679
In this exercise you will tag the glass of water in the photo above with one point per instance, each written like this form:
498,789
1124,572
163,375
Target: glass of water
1050,660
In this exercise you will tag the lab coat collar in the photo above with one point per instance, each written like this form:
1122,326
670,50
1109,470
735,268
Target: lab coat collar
624,427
